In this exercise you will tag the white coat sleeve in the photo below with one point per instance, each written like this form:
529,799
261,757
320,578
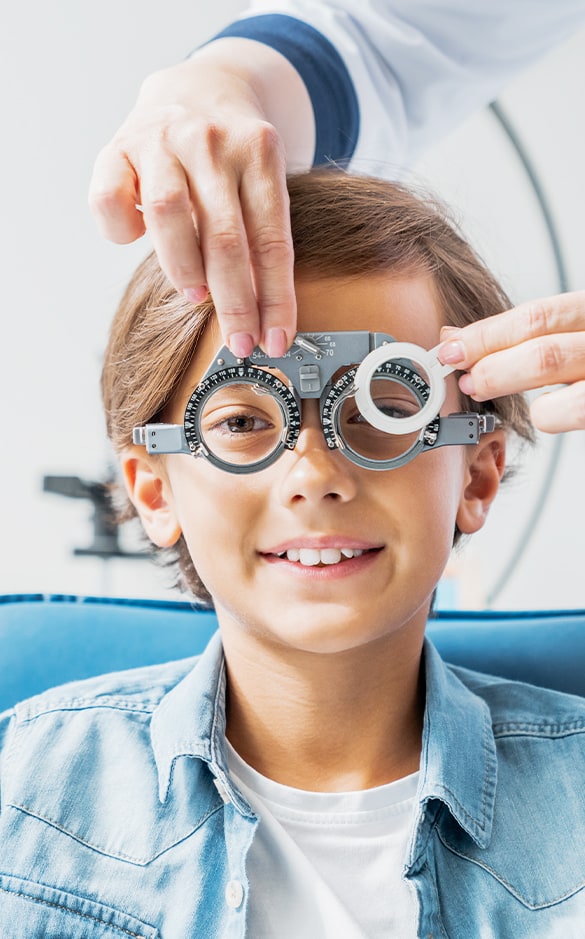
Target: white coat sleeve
389,77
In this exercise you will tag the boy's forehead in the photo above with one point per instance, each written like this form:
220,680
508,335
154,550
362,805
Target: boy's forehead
405,306
209,342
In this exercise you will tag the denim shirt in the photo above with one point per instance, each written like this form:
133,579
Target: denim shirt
118,818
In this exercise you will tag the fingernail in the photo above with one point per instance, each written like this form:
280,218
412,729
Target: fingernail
196,294
466,384
241,344
452,353
275,342
447,331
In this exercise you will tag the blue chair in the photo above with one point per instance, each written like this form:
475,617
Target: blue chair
49,640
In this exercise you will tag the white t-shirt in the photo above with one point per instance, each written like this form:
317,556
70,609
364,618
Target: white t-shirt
328,865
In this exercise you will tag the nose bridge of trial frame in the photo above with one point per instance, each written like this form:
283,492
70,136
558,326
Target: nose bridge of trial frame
314,358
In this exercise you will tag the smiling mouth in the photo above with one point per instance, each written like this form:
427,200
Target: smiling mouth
322,557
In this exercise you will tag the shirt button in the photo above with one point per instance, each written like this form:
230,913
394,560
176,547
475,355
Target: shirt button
234,894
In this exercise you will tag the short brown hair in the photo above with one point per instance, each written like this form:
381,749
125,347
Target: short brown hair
342,225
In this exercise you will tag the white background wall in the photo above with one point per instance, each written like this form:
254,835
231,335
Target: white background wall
69,74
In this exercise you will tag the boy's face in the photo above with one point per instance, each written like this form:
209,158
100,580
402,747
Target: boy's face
238,528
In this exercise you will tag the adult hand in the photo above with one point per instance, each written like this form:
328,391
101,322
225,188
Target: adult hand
204,153
528,347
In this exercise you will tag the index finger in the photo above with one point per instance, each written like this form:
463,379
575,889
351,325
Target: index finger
113,194
266,213
548,316
245,234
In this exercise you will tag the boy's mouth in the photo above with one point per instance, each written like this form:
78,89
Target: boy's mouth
321,557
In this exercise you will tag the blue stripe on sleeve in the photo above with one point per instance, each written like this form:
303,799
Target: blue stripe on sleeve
324,73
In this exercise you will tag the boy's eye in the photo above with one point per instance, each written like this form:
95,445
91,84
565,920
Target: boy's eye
241,424
393,399
389,397
397,409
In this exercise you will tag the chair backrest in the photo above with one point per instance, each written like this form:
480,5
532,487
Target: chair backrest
49,640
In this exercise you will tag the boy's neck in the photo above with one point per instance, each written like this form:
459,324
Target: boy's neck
339,722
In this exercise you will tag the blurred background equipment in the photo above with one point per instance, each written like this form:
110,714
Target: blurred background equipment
105,543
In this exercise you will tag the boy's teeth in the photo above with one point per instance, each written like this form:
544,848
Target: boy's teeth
310,557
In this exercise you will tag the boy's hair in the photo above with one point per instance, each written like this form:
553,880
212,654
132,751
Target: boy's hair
342,226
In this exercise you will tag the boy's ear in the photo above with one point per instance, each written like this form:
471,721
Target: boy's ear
149,491
485,466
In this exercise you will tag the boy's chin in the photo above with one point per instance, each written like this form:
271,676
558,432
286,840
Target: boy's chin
324,632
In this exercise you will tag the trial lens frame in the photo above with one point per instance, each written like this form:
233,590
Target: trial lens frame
310,365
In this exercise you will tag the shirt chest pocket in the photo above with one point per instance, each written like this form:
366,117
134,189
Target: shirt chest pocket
30,910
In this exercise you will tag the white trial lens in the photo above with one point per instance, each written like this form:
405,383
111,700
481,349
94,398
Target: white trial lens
390,352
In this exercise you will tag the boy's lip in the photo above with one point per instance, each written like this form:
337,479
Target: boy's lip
322,541
318,569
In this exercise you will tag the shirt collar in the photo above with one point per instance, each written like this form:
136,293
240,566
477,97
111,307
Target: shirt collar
458,759
190,722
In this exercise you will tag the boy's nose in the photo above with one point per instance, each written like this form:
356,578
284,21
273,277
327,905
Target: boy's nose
314,471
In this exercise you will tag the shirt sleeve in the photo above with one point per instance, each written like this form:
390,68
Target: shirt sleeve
389,77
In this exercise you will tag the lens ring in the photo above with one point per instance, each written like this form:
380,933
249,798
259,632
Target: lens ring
344,387
392,352
241,374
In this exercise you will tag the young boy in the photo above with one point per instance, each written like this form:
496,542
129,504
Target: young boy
318,771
